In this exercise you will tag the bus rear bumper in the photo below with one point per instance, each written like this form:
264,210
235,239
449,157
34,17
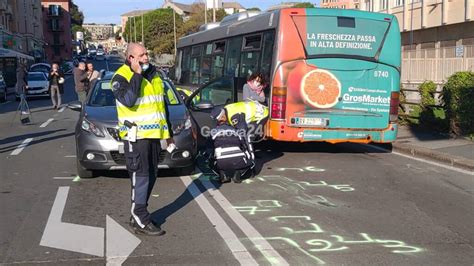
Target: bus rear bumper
277,131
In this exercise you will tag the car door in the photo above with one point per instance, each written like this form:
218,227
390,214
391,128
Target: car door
214,94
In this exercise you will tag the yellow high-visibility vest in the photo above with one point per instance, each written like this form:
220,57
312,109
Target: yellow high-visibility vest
254,111
149,111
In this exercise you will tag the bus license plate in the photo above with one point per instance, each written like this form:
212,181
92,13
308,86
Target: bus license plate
311,121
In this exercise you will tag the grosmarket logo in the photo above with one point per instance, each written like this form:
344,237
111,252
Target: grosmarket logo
366,99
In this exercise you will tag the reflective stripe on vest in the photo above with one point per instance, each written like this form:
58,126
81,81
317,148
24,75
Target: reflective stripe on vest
254,112
148,113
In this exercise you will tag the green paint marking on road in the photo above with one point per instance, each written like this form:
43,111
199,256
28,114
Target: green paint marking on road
248,181
76,179
252,210
155,195
269,203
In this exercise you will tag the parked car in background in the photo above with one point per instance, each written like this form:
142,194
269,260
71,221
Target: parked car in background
38,85
40,67
3,89
98,146
67,67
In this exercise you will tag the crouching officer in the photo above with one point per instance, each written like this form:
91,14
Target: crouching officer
139,94
249,117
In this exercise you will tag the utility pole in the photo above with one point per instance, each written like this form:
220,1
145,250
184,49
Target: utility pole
143,36
214,10
174,29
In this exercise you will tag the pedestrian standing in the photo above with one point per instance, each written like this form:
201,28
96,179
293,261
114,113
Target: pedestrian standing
21,84
139,93
92,75
81,82
56,80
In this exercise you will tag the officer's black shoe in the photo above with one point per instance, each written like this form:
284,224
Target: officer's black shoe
236,177
223,177
150,230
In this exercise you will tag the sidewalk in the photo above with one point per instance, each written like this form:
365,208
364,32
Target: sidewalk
457,152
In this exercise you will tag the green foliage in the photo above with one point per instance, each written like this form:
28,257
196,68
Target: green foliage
304,5
458,98
77,17
427,90
76,28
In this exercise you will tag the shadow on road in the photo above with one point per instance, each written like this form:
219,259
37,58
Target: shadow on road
13,147
319,147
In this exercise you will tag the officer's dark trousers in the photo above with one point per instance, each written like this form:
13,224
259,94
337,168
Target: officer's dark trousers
142,165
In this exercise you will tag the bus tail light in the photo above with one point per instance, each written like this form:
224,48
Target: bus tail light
278,107
394,102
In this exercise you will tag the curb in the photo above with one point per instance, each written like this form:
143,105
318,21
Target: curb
441,157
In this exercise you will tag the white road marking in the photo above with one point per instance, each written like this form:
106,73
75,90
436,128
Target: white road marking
70,156
21,146
257,239
62,109
238,249
64,177
424,161
45,124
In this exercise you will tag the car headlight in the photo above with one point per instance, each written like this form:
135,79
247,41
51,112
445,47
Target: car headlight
91,128
180,126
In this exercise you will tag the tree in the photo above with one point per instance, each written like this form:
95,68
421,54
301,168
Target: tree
197,19
77,17
304,5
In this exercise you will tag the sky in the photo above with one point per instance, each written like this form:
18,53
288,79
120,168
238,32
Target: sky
109,11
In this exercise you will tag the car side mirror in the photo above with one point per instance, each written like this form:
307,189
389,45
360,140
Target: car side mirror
75,106
204,105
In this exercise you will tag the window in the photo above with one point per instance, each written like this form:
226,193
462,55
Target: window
219,47
252,42
56,38
249,61
218,92
195,63
383,4
268,41
54,10
170,96
57,50
399,3
233,57
217,66
185,66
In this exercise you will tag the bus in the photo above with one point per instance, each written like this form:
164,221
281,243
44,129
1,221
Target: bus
334,73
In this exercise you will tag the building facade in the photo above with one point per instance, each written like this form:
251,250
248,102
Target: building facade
100,31
437,36
57,29
21,27
344,4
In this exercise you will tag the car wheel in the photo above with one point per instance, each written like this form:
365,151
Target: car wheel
83,172
185,170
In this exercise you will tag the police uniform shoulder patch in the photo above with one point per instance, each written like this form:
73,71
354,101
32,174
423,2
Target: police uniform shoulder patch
115,85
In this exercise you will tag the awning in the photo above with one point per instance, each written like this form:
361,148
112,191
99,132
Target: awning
10,53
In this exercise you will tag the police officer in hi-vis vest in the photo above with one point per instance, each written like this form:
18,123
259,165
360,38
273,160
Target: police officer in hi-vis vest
139,94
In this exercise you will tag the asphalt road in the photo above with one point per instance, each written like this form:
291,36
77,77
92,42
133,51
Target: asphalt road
310,204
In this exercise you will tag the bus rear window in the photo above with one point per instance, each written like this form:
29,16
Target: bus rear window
348,36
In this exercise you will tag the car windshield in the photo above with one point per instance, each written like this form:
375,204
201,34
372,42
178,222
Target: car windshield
103,96
36,77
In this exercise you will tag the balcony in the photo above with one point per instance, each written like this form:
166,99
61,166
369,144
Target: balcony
55,14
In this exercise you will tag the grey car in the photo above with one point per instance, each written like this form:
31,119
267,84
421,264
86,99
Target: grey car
98,146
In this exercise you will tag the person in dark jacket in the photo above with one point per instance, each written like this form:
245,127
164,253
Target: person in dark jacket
56,80
81,81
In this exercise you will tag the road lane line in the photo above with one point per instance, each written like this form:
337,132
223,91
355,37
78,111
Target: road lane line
45,124
21,146
64,177
62,109
257,239
238,249
70,156
425,161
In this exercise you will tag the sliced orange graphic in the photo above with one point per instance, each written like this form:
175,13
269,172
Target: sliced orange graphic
320,89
